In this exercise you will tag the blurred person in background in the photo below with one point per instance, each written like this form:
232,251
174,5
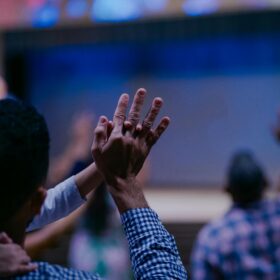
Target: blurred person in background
76,156
245,242
98,243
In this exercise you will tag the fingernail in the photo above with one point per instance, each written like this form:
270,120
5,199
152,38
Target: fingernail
166,121
142,91
125,96
102,119
158,102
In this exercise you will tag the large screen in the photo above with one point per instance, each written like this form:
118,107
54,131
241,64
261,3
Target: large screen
222,95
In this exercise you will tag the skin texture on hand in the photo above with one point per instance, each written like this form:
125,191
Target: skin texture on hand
120,154
13,259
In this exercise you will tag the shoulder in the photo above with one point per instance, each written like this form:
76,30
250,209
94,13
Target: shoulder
220,229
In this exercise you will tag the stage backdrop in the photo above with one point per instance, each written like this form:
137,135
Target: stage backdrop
222,95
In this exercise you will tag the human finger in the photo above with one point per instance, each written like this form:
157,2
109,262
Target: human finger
153,136
25,268
5,239
120,113
137,130
110,127
135,110
127,128
100,136
20,254
151,116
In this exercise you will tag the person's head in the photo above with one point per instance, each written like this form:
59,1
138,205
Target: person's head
24,158
246,180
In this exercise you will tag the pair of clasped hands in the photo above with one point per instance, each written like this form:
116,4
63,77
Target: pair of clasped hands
119,148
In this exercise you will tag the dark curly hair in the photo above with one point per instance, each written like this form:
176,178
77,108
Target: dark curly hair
24,155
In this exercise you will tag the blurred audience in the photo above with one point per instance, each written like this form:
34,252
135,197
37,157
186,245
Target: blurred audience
99,245
244,243
76,155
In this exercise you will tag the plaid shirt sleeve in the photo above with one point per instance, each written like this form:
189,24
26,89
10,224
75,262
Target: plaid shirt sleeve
47,271
153,250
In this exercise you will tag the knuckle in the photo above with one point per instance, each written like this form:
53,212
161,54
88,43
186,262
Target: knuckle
120,116
134,117
129,142
98,130
154,112
117,139
94,150
147,123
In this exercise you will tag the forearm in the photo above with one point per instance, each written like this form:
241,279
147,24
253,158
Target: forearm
88,179
153,251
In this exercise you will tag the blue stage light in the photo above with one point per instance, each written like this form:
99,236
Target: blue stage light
115,10
200,7
46,16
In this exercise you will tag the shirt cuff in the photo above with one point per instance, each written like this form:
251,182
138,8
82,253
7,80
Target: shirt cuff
140,221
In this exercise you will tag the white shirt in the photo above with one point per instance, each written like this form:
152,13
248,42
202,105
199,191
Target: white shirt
59,203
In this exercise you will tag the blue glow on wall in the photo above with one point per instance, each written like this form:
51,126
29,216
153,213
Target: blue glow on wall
154,5
76,8
222,93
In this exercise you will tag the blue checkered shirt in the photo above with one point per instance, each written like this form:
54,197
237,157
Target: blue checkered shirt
243,244
153,252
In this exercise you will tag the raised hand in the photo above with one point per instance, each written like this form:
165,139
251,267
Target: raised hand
119,156
124,152
13,259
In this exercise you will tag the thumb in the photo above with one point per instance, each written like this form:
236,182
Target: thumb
5,239
100,136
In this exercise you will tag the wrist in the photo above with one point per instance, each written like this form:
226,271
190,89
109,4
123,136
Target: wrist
127,194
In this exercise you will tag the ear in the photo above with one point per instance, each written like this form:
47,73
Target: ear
37,200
